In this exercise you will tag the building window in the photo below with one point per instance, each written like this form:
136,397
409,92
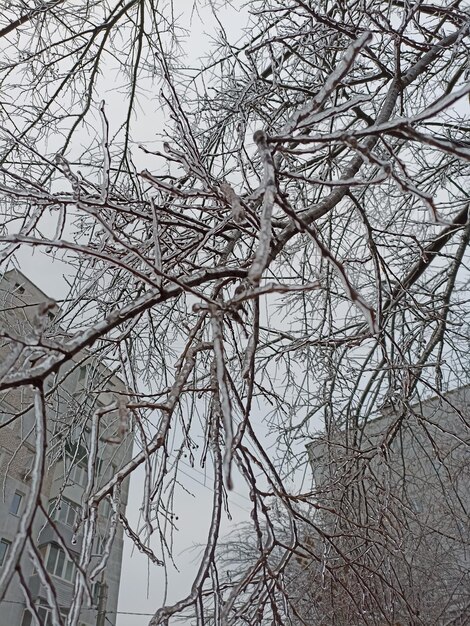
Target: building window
77,472
45,615
106,509
96,593
15,503
85,376
99,467
27,620
100,543
64,511
4,547
58,564
76,462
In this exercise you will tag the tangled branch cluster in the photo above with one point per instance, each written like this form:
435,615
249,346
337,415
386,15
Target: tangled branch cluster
295,249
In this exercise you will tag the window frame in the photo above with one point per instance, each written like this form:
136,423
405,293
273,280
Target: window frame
16,512
99,545
106,508
4,552
71,468
60,564
45,614
96,593
63,510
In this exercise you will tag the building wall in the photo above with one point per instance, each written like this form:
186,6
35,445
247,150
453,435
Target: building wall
393,496
71,402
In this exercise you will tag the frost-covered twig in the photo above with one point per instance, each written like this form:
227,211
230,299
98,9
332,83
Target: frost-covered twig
269,192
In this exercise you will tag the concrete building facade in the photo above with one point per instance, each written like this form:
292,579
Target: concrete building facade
83,388
393,497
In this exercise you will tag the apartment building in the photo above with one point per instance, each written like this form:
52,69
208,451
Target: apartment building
80,389
393,497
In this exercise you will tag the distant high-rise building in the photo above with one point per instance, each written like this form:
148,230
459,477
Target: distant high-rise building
84,394
393,501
